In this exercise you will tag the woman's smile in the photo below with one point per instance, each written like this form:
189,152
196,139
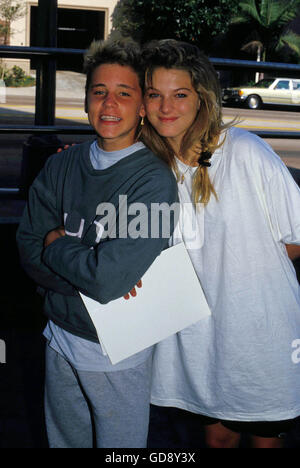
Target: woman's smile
172,104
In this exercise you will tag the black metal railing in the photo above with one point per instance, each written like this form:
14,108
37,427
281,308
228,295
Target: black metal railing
256,66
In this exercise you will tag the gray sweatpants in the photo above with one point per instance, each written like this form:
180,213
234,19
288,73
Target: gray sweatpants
96,409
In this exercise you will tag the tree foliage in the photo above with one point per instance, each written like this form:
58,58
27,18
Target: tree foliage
268,21
10,11
196,21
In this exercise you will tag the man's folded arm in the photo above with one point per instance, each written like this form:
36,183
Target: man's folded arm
113,267
40,216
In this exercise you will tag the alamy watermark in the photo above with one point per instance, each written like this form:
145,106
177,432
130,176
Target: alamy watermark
124,220
2,352
296,353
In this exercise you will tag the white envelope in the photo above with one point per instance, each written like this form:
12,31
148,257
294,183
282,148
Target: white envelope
170,300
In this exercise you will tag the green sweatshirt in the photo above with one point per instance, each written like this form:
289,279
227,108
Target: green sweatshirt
68,192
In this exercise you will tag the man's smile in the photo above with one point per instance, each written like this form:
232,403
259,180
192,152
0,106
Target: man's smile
110,118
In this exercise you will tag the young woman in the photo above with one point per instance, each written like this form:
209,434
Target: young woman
237,368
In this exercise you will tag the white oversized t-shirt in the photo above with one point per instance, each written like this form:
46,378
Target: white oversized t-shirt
238,364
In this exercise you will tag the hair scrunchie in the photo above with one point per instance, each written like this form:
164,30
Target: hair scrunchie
204,159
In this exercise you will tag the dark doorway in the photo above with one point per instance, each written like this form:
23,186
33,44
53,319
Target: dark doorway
76,30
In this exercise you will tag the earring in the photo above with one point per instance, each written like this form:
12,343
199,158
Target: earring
142,124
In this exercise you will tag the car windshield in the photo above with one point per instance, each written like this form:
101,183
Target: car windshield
265,83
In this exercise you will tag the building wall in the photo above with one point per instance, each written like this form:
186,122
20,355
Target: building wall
21,28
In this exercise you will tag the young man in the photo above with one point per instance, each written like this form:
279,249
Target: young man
68,244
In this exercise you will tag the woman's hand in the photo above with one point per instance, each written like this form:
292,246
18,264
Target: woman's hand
133,292
293,251
65,148
53,235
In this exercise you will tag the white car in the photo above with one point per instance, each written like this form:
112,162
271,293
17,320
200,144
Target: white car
284,91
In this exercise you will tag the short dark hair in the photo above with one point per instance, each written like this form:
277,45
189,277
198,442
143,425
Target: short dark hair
123,52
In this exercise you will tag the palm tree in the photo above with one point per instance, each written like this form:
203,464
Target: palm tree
269,20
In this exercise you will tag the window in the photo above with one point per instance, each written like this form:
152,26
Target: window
76,30
296,85
283,85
